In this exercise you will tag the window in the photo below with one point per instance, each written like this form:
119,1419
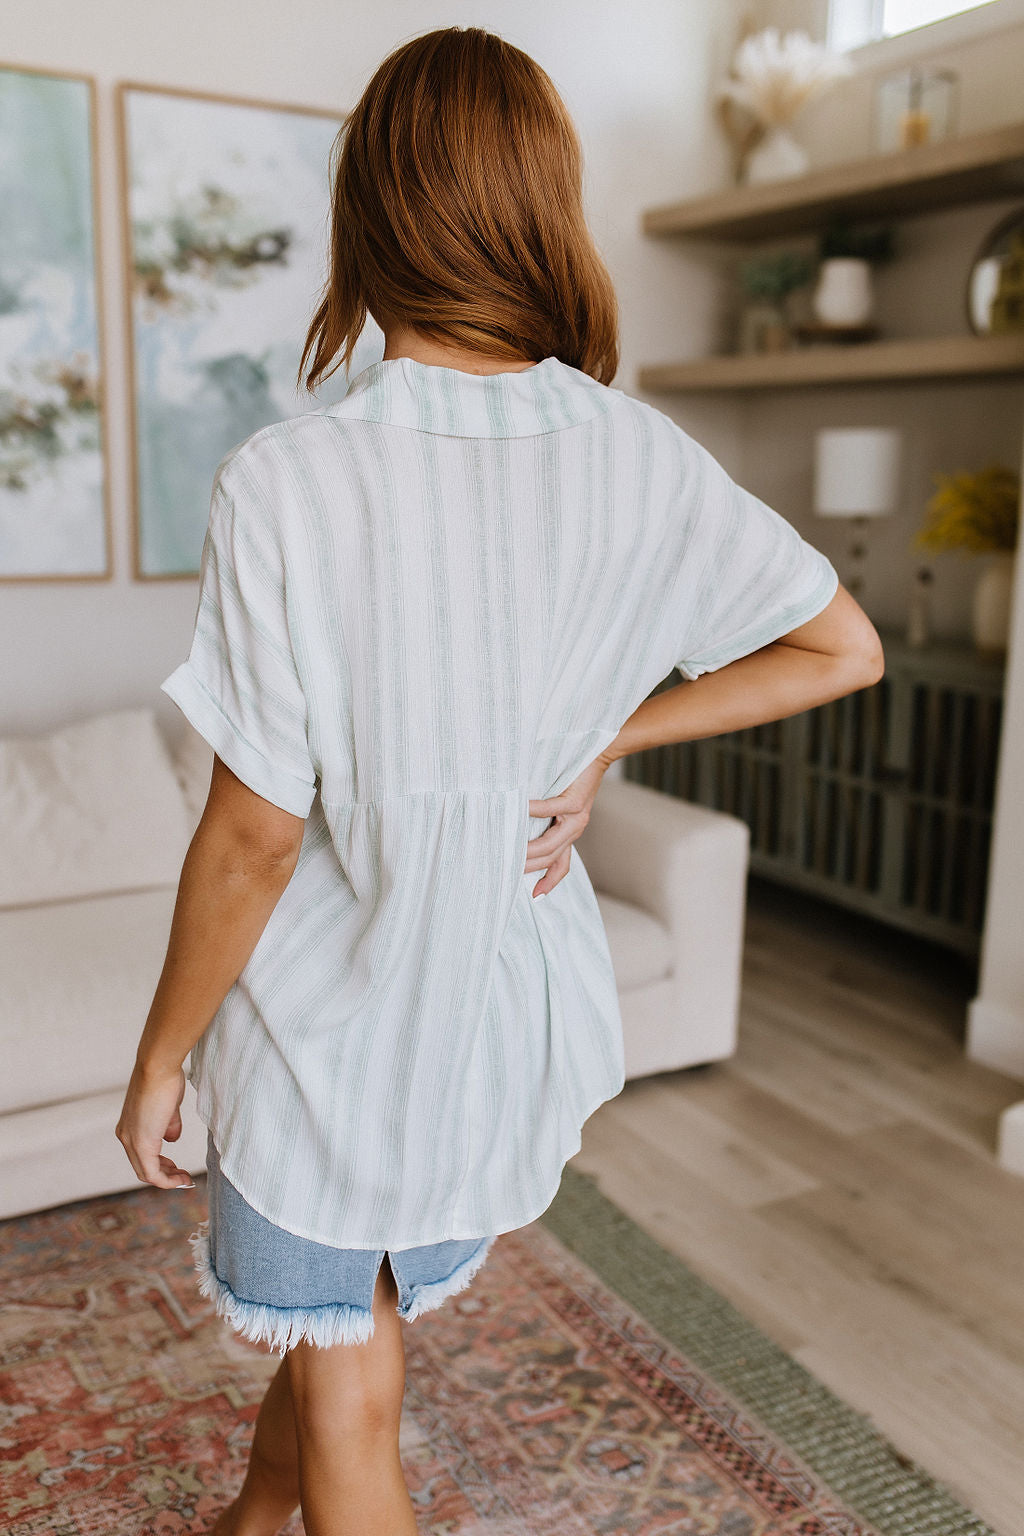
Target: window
904,15
855,22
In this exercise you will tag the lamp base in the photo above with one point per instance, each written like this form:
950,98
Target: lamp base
858,555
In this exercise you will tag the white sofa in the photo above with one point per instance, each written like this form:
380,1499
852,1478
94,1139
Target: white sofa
95,820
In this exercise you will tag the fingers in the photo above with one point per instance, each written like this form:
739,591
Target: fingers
182,1178
150,1115
547,843
553,839
577,796
569,813
162,1172
151,1167
567,804
551,850
557,870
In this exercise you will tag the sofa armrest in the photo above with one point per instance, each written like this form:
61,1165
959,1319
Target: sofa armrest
650,848
192,757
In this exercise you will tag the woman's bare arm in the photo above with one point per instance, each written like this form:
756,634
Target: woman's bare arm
240,859
835,653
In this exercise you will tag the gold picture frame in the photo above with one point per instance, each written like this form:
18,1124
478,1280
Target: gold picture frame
177,441
44,432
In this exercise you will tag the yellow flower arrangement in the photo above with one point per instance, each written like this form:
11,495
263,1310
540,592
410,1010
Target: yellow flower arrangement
975,513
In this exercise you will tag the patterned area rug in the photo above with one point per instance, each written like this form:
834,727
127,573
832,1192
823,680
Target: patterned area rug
584,1384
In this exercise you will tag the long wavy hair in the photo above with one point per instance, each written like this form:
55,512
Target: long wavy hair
457,209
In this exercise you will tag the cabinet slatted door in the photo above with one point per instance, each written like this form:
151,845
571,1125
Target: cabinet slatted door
841,808
881,800
949,793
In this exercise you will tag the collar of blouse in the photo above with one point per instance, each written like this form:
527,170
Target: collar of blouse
543,398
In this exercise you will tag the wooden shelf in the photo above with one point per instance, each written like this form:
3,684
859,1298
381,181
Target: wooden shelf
943,357
974,169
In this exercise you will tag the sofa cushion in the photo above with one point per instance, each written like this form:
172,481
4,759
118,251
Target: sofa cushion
640,946
78,981
91,808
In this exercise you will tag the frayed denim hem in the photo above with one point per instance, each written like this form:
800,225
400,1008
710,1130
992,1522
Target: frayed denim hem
427,1297
335,1323
279,1327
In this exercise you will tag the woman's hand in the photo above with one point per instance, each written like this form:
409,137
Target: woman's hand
552,848
150,1115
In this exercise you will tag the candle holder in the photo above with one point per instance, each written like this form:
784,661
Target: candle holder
915,106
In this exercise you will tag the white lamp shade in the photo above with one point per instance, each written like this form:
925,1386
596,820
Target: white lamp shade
856,471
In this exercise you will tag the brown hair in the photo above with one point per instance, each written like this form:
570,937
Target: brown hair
457,209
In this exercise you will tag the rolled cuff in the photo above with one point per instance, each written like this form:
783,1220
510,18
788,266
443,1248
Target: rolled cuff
278,785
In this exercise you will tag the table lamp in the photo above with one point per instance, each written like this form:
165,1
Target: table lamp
856,475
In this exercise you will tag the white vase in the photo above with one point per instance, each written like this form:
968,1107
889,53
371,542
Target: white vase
777,156
844,294
990,609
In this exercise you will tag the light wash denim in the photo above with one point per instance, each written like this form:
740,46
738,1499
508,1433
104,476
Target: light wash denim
270,1285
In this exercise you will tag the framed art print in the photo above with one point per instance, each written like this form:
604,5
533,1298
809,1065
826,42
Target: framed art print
54,516
227,206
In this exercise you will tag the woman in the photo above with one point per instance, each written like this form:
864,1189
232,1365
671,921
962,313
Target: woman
430,618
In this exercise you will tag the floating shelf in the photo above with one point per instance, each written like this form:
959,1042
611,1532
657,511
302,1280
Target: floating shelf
974,169
942,357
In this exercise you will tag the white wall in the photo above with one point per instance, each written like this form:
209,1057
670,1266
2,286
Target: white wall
636,82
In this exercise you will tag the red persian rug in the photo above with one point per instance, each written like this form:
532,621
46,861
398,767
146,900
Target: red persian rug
538,1403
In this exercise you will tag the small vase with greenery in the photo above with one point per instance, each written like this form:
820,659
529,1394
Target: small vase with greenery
979,514
767,281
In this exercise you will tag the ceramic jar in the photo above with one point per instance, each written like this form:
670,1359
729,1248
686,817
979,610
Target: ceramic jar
844,295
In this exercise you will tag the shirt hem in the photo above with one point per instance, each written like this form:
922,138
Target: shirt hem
508,1224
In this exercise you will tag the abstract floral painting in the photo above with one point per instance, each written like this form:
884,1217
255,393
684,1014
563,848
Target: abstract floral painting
227,223
53,519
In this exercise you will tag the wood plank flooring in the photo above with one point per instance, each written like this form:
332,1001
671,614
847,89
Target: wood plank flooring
836,1180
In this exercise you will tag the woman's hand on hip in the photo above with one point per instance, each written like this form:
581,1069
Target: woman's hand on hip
150,1115
551,850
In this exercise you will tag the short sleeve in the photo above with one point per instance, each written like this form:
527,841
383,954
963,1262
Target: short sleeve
747,576
239,686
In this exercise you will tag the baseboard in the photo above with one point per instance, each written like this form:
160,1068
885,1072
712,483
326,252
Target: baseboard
1010,1150
995,1036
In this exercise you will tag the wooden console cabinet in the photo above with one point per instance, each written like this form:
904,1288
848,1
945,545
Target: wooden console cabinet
881,801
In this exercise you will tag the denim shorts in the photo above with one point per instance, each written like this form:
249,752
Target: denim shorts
272,1286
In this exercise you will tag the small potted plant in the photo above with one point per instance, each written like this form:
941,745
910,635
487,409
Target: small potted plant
979,514
844,296
767,281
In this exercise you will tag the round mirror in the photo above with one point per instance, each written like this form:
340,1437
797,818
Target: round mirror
995,286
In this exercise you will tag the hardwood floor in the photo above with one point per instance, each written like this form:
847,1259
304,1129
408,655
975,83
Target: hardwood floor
836,1180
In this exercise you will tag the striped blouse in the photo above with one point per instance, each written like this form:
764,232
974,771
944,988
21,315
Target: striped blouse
421,607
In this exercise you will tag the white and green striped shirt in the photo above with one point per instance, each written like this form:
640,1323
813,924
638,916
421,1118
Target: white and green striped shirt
421,607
